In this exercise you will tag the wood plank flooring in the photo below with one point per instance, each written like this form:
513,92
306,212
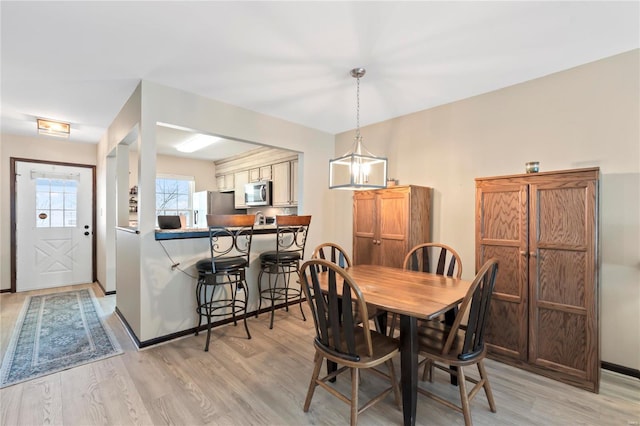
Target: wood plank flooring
263,381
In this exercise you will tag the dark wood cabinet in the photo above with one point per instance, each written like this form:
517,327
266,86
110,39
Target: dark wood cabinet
543,228
387,223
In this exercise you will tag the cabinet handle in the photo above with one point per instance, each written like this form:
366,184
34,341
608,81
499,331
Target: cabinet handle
533,254
523,252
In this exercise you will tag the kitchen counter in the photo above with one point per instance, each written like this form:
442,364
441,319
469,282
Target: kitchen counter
179,234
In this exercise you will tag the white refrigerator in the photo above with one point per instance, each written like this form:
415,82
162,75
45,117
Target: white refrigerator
212,202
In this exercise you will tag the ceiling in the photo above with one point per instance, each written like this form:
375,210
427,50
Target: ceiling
80,61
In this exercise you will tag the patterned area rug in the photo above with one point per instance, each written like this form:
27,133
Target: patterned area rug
55,332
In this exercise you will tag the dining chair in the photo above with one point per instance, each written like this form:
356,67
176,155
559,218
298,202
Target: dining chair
341,340
281,263
338,255
461,345
332,252
435,258
222,275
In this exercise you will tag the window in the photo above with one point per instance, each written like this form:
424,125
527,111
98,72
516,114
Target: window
56,203
174,195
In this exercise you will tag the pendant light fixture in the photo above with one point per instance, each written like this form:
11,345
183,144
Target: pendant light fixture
358,168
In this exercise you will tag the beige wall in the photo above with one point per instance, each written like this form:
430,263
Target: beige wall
34,148
583,117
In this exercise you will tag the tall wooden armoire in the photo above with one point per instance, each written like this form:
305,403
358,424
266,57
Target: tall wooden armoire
543,228
387,223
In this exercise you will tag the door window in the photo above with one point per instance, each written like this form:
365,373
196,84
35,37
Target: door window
56,203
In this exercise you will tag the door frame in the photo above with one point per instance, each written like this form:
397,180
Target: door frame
12,208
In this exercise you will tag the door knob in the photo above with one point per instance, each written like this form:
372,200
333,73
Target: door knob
86,233
86,227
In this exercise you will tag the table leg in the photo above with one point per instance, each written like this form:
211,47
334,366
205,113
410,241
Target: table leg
449,318
409,367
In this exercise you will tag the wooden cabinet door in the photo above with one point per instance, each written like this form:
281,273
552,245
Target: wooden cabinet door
501,232
365,249
240,179
280,191
220,183
294,182
562,283
393,226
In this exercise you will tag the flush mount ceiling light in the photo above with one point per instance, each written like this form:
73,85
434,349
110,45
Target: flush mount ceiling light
197,142
358,168
53,128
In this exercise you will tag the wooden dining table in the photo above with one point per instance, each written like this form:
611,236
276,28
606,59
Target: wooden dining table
413,295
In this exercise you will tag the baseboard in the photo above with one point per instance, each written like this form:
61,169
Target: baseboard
106,293
620,369
178,334
5,290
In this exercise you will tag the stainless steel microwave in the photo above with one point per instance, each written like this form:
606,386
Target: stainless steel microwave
258,193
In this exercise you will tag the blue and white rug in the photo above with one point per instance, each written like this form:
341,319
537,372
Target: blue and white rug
56,332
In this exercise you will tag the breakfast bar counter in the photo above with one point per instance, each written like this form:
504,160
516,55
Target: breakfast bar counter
179,234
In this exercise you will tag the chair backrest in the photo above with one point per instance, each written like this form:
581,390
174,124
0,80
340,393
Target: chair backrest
332,252
292,233
230,236
434,258
336,309
477,302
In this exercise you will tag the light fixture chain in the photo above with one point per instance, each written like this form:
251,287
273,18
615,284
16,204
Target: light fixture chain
358,108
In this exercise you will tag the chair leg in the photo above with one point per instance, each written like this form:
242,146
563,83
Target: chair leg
233,299
206,346
392,326
394,384
259,290
355,380
273,298
487,386
464,398
314,380
245,288
199,304
427,374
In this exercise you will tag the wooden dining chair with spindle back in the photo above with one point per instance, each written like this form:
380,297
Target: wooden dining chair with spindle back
341,339
461,346
435,258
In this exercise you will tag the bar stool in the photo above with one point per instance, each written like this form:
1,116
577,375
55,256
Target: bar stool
279,264
222,276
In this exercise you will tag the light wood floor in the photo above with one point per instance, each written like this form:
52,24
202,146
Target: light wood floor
263,381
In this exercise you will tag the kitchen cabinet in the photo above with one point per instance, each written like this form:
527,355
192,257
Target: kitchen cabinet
543,228
226,183
387,223
284,184
260,173
240,179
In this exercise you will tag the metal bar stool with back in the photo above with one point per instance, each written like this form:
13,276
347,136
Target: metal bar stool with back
281,263
222,276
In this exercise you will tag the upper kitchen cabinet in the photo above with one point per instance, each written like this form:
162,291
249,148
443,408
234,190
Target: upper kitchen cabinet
543,229
387,223
226,183
240,179
285,184
260,173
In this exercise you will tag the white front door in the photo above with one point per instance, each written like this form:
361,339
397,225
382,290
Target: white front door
54,216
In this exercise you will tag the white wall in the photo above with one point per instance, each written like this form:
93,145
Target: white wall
583,117
34,148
